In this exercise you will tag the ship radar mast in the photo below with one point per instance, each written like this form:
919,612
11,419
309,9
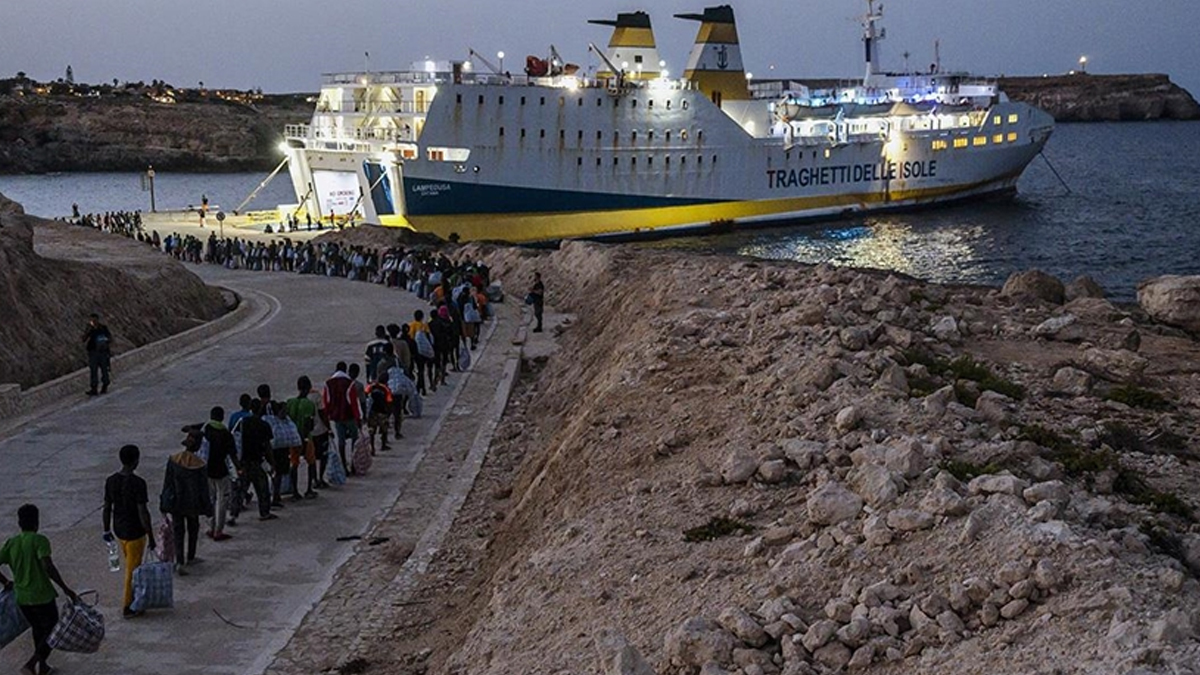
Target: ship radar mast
872,36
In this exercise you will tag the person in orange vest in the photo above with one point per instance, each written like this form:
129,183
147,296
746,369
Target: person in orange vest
379,411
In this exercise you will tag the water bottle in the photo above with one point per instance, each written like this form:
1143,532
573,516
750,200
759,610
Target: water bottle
114,558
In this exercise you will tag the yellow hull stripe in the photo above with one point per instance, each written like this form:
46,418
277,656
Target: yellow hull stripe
534,227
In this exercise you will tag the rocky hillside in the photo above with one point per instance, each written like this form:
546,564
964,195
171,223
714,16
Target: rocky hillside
47,133
748,467
52,276
1105,98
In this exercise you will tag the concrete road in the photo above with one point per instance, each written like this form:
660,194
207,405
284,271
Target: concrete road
242,603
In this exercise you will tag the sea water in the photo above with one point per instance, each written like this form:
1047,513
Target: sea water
1127,208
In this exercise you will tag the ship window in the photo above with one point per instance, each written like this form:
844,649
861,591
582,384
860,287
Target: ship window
581,102
650,103
522,132
501,132
579,161
1014,118
562,101
940,144
633,136
522,100
979,140
700,136
668,136
683,160
500,100
599,102
542,101
562,134
481,99
668,104
1012,137
599,135
788,156
597,161
633,161
650,160
637,58
996,120
960,142
827,153
616,161
650,134
458,99
616,137
998,139
683,134
699,159
667,159
581,135
634,105
616,103
541,133
714,159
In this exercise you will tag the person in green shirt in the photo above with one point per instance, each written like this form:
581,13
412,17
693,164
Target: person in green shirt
303,412
28,556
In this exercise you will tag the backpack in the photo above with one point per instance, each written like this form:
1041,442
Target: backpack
379,402
424,344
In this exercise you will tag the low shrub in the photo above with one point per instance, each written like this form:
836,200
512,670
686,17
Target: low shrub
715,528
1136,397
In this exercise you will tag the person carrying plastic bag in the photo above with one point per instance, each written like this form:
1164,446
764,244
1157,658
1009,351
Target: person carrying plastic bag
27,555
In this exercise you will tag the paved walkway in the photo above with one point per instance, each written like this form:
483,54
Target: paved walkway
242,604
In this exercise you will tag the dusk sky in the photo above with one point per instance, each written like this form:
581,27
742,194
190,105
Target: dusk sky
284,45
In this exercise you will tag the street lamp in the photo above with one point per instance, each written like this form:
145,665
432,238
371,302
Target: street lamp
1083,64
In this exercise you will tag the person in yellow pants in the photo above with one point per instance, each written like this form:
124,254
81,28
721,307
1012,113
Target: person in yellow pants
127,518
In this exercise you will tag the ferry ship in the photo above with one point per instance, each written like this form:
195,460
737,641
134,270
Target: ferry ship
466,151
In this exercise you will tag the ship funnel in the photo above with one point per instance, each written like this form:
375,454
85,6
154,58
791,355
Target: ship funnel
631,48
716,61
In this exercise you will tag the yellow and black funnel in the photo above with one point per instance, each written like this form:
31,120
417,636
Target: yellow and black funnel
632,47
715,64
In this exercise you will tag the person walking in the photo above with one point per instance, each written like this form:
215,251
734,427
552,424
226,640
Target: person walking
256,448
423,356
222,465
185,498
342,408
97,341
374,352
28,557
537,298
127,518
302,411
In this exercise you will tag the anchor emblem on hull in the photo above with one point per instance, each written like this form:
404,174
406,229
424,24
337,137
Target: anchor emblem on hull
723,57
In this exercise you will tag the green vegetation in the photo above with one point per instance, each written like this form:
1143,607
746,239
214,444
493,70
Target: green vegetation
1135,489
1136,397
715,528
1076,461
1120,437
1164,541
965,368
966,471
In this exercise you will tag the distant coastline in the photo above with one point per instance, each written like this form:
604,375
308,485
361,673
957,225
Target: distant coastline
67,127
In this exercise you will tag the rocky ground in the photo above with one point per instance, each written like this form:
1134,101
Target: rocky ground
735,466
52,276
1104,98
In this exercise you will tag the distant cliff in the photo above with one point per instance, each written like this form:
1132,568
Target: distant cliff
1104,98
71,133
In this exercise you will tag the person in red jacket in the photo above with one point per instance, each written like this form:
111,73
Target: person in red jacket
342,407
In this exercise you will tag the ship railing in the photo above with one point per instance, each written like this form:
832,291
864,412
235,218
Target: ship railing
309,132
383,77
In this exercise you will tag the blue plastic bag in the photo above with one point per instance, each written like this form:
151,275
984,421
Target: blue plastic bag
12,621
153,586
335,473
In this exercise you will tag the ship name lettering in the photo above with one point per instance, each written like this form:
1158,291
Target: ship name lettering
850,173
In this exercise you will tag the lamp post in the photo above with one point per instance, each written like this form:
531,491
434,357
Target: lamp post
500,55
1083,64
150,176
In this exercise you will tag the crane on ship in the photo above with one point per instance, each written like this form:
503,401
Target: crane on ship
472,55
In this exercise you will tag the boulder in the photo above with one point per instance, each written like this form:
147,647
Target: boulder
743,626
1173,300
1083,287
1173,628
946,329
995,408
1053,326
1117,365
876,532
1034,285
834,655
1053,491
854,339
909,520
773,471
997,483
854,633
697,641
819,634
833,503
740,466
802,453
906,459
848,418
1014,609
943,501
875,484
1071,382
618,657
